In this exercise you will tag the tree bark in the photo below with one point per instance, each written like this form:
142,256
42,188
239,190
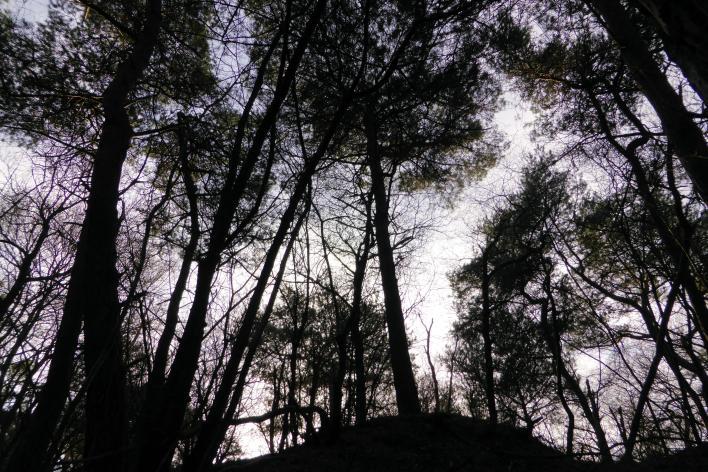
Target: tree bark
681,26
403,378
683,133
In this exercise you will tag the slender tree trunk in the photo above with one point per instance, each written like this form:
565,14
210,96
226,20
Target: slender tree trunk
276,403
92,295
295,341
487,340
340,370
210,430
673,240
171,315
342,328
357,340
570,430
209,433
164,413
550,334
659,339
684,135
253,345
403,378
431,366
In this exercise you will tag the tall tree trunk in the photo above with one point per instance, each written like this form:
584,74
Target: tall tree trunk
357,340
683,133
210,431
682,27
163,414
403,378
487,341
550,333
341,333
673,240
157,373
296,339
92,295
253,345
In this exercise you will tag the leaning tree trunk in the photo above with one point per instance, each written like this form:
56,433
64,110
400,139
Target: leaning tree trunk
212,430
164,410
403,378
92,295
683,133
682,27
643,398
549,331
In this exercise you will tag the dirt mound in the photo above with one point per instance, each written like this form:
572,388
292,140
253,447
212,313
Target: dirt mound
442,443
425,443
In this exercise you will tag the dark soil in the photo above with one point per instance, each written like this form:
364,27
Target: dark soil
442,443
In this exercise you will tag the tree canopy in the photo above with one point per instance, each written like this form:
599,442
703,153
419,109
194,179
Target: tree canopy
215,208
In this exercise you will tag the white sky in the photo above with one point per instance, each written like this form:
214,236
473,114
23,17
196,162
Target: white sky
32,10
451,245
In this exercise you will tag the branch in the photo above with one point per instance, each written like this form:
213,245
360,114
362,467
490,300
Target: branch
301,410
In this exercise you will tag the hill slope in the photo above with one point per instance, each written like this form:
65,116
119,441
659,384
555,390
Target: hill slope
444,443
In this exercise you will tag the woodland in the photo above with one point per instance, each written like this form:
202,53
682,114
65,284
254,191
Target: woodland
208,209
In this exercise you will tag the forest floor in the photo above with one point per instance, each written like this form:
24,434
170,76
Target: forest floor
438,443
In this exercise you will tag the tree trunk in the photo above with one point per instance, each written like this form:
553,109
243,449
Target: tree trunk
403,378
682,28
163,414
357,341
157,373
253,345
210,432
683,133
570,431
552,337
487,341
92,295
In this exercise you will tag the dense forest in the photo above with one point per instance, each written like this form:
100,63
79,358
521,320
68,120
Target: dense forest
209,211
